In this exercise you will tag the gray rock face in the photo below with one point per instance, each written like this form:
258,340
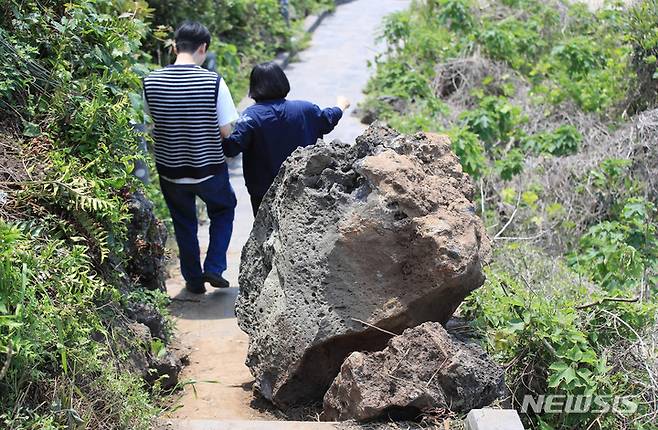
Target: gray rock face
146,246
148,315
423,369
162,367
382,233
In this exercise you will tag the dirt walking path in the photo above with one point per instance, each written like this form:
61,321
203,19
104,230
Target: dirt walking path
335,63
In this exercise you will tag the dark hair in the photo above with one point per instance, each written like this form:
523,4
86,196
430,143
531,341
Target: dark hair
268,82
190,35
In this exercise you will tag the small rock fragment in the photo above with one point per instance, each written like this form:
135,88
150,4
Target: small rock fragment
423,369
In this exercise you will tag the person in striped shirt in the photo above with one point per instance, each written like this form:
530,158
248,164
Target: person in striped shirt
192,110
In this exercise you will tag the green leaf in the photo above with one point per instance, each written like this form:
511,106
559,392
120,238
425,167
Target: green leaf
508,195
65,364
529,198
31,130
516,325
573,354
562,372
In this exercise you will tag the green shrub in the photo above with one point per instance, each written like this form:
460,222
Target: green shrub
494,121
564,140
611,183
49,298
470,151
511,164
396,30
73,97
556,335
455,14
578,56
514,41
398,80
643,37
621,254
416,37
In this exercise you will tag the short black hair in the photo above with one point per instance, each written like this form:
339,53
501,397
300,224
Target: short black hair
268,82
190,35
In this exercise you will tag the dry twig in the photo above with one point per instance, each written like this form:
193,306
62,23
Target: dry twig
609,299
375,327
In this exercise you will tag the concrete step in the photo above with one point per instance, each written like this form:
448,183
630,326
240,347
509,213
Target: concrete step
246,425
493,419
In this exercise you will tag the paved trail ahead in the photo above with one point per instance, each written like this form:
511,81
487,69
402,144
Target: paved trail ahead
335,63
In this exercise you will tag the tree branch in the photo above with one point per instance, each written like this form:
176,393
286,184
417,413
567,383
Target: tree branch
609,299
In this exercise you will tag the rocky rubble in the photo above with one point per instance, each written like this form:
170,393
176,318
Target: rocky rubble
350,241
162,366
423,369
145,269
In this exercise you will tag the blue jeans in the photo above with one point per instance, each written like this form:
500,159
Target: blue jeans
220,200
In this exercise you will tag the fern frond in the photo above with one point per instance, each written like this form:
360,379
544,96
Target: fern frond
95,233
76,196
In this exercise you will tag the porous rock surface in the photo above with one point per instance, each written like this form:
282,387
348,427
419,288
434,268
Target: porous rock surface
381,233
423,369
146,244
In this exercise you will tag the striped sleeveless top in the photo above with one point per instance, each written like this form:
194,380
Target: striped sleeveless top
182,101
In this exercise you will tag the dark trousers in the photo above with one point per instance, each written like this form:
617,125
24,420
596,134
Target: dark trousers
255,203
219,198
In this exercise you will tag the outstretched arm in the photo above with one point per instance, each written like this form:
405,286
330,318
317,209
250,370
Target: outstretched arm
328,118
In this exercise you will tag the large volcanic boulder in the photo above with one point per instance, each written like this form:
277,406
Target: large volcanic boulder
424,369
382,233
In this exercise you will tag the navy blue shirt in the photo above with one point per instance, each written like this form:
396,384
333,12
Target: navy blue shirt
268,132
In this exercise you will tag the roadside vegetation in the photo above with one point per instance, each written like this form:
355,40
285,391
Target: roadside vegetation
244,32
74,222
551,108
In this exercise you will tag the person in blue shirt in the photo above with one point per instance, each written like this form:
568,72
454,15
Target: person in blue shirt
270,130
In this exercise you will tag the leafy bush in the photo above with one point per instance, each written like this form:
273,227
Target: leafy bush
72,72
562,141
510,165
612,183
644,41
494,121
454,14
578,55
514,41
470,151
48,322
397,80
396,30
244,31
558,335
622,255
